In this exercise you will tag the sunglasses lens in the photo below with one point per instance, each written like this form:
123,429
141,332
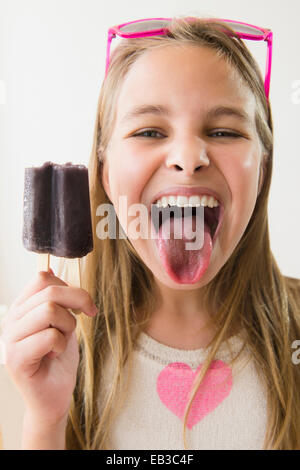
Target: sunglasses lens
243,28
159,24
144,26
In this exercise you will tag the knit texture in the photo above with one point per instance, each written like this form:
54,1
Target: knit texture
229,410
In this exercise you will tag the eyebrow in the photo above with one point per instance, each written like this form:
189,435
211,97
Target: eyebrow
160,110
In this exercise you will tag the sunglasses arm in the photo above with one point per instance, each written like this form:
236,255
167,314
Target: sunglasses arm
269,64
110,37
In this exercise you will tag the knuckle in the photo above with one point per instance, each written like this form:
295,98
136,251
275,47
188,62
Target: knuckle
6,320
12,361
50,308
56,339
43,278
53,334
50,292
6,335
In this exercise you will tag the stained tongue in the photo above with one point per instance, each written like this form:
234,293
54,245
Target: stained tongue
185,266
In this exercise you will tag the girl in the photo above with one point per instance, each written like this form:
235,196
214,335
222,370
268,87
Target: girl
198,340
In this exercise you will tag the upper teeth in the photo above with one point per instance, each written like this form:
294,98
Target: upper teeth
184,201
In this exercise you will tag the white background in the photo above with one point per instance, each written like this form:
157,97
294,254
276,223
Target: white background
52,55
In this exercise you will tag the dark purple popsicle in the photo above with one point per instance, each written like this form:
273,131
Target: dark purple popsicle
57,213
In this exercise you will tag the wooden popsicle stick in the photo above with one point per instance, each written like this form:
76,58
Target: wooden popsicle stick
74,276
79,271
43,262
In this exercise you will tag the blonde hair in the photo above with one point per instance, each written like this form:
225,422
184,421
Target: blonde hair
249,293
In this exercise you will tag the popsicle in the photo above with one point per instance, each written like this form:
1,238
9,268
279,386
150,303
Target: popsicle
57,214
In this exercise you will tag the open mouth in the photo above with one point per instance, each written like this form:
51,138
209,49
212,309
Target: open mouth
212,216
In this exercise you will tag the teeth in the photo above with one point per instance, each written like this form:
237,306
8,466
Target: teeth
164,201
194,201
184,201
172,200
211,202
204,201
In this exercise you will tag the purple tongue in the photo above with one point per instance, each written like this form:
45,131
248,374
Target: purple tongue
184,266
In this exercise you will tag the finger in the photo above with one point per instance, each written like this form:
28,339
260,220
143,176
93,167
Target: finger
26,355
44,316
65,296
71,353
42,280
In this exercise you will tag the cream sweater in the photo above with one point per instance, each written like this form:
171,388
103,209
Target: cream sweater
229,411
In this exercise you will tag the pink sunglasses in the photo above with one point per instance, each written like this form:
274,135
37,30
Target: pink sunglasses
159,26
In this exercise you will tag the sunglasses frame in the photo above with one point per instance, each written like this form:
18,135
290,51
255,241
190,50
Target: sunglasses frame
266,35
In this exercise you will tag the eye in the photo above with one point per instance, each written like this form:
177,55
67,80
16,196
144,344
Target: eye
152,133
225,134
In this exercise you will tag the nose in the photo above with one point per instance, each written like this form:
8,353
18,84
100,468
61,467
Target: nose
188,155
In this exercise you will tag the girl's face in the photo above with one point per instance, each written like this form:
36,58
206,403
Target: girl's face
184,119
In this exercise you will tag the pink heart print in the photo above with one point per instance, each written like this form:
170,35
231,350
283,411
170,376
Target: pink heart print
175,382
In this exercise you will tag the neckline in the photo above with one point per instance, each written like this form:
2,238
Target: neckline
165,354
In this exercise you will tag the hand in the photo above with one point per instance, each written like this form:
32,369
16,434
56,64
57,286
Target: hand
41,346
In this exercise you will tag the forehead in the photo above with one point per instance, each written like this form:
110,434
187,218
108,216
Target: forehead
183,76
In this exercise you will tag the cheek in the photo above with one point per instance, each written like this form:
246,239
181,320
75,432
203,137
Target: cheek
129,173
241,172
245,174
